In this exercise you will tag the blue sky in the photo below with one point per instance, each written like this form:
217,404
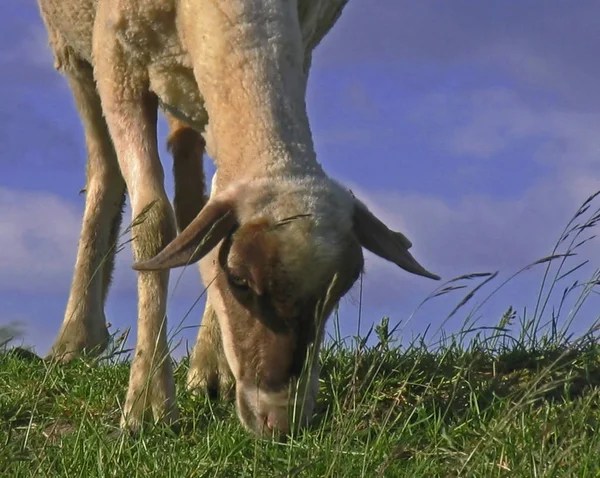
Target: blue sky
473,127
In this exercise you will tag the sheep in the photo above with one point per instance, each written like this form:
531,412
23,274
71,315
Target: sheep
278,241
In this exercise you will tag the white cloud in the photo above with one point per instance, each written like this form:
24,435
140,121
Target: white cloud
38,240
486,122
39,233
476,232
452,236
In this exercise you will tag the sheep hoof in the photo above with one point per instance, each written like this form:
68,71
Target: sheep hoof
216,382
77,340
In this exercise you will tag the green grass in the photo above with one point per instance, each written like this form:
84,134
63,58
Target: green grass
383,410
518,399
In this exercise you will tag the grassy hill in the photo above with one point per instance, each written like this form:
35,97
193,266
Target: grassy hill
389,411
520,399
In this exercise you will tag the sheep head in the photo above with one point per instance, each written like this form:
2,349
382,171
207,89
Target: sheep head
282,252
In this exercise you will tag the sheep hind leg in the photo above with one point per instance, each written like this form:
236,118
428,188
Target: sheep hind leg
187,148
83,331
209,370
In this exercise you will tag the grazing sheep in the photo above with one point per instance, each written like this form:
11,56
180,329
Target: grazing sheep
279,242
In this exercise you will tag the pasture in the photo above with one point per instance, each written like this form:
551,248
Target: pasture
391,412
518,399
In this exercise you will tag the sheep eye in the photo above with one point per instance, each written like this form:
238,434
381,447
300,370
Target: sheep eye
238,282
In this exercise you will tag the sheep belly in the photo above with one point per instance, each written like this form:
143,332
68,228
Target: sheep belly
177,92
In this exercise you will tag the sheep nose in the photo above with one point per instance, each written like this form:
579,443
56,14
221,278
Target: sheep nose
276,423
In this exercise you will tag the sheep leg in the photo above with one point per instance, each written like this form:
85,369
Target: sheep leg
187,147
209,370
133,128
84,326
131,115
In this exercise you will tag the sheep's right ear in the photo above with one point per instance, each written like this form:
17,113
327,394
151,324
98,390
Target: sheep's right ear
393,246
209,227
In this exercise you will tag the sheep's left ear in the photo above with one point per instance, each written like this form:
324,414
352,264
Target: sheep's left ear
214,221
393,246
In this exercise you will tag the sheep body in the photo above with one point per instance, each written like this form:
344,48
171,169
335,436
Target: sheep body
153,34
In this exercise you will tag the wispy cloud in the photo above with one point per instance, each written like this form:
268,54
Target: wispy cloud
39,232
486,122
38,237
491,230
550,48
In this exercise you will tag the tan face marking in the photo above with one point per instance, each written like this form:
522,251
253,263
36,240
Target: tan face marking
271,323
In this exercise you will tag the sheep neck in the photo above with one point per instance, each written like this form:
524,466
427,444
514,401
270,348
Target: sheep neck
249,63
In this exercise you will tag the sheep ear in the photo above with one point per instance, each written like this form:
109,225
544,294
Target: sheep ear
209,227
393,246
